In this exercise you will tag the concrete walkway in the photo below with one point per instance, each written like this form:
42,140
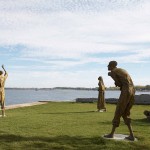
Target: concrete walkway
119,137
24,105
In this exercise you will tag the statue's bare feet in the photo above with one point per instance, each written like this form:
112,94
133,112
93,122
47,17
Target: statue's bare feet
130,138
109,136
2,115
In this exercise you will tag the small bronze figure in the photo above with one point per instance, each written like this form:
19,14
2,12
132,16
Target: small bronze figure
101,96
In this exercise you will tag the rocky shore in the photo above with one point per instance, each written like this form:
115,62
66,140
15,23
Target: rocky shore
143,99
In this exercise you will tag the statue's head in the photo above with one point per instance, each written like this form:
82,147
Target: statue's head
112,65
100,78
146,113
1,72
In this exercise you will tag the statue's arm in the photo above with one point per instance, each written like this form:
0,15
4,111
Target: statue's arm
4,71
114,77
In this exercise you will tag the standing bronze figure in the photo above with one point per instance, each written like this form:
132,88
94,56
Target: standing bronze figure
101,96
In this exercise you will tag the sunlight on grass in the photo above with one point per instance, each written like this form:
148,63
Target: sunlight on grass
67,125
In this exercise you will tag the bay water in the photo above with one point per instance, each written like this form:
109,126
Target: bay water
20,96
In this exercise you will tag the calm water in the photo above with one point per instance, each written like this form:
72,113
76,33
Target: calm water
26,96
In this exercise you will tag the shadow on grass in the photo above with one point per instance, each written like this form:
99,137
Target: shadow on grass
65,142
141,122
70,112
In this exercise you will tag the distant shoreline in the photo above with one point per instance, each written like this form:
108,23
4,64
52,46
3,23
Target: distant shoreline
55,88
70,88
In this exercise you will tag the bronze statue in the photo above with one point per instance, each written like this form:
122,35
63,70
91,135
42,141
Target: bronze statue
2,90
101,96
147,114
126,100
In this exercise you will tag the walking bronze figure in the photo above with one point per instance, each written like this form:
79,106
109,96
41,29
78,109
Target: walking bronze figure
126,100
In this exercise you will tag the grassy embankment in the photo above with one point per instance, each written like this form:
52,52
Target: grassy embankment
69,126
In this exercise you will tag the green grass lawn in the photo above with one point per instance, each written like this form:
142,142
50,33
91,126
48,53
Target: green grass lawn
67,126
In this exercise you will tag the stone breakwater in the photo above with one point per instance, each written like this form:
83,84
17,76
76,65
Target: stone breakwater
143,99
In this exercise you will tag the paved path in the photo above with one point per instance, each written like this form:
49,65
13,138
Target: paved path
24,105
120,137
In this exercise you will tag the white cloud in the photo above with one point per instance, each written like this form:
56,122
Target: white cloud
75,32
51,32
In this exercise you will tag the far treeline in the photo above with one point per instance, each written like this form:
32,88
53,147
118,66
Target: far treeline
138,88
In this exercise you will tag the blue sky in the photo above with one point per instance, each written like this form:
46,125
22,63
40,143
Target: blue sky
49,43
